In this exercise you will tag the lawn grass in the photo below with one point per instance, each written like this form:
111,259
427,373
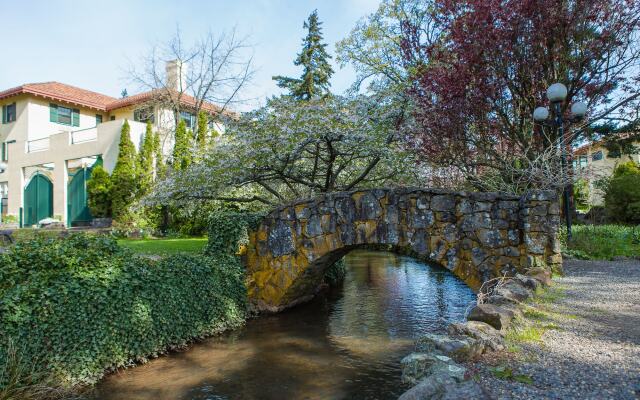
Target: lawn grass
164,247
603,242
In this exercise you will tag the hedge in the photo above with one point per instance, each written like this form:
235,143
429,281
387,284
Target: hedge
82,305
230,230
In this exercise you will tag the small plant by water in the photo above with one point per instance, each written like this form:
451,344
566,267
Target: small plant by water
21,379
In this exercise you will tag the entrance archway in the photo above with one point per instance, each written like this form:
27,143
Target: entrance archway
38,199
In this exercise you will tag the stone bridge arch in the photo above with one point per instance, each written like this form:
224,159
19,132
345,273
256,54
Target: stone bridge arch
477,236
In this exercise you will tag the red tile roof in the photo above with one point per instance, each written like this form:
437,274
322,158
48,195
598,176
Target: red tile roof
147,96
61,92
86,98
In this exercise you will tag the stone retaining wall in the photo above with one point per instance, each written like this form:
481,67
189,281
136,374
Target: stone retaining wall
477,236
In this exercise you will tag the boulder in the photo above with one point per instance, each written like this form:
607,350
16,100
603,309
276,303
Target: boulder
416,366
462,391
499,300
458,347
482,332
527,281
497,316
513,290
428,387
442,386
540,274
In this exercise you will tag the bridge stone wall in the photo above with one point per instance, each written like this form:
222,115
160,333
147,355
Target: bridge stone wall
477,236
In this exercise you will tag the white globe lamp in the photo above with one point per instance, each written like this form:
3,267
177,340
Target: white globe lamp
557,93
540,114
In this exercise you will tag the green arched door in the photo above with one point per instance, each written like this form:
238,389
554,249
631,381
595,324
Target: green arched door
79,213
38,199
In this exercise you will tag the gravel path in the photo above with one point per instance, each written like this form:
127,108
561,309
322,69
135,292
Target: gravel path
594,353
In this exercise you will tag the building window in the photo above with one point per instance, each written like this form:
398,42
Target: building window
4,199
98,119
63,115
188,118
597,156
144,115
112,118
8,113
4,154
580,162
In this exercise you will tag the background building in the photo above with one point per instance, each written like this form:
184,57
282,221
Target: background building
597,162
52,134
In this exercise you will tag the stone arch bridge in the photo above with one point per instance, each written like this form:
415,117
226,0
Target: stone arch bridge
477,236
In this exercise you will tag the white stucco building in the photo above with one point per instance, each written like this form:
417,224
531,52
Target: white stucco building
595,161
52,134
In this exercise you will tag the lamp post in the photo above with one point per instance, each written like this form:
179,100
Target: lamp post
557,94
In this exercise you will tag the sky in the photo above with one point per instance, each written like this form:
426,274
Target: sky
92,44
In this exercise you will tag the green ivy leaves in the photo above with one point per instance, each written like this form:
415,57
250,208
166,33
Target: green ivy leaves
82,304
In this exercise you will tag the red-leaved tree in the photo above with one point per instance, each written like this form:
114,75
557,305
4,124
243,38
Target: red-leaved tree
476,90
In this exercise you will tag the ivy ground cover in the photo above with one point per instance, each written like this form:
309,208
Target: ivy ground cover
80,306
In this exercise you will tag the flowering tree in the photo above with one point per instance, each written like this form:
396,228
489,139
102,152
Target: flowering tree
479,83
290,149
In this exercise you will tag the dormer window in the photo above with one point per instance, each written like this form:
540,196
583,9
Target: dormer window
8,113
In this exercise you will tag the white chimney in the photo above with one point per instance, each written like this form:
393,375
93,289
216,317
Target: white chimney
176,75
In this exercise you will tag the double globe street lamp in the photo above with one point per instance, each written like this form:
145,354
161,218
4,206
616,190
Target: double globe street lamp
557,94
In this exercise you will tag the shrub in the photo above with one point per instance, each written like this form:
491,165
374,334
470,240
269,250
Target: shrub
82,305
581,194
182,148
229,231
99,192
622,199
144,162
603,241
628,168
123,179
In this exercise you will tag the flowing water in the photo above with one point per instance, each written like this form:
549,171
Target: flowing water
345,344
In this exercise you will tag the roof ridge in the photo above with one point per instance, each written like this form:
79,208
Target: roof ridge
72,86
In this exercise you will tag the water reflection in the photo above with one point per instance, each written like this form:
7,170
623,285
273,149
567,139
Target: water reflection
346,344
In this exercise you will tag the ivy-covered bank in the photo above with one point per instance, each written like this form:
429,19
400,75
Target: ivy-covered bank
77,307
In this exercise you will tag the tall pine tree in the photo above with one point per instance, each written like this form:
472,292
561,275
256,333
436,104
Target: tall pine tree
123,179
317,71
181,147
145,162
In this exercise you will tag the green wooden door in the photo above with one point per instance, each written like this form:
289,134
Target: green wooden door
38,200
79,213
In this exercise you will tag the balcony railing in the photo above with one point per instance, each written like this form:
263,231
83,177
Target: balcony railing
84,135
38,145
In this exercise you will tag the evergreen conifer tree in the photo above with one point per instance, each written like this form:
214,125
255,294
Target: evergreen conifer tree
145,162
160,166
314,59
99,192
181,147
123,179
201,134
